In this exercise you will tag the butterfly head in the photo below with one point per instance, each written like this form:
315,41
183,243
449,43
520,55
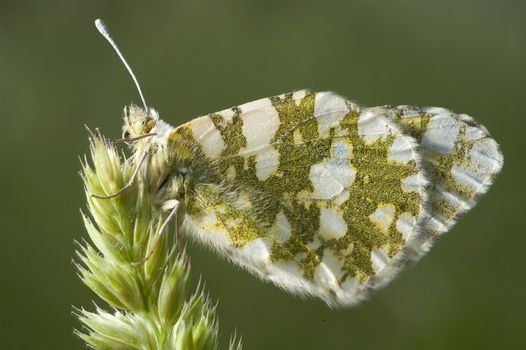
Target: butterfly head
138,122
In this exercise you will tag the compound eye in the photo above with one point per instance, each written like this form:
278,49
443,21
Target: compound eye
126,135
148,125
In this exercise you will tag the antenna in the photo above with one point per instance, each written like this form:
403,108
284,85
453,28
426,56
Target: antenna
101,27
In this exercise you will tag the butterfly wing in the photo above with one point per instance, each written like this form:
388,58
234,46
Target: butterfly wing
310,191
460,159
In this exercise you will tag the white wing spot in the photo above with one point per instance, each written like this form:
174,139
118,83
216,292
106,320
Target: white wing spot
401,150
281,228
260,123
406,225
325,185
331,177
413,183
298,139
267,162
324,277
243,201
333,263
257,250
347,251
485,156
252,106
209,232
208,136
442,133
474,133
466,176
379,259
297,96
227,114
383,216
332,224
350,285
372,126
314,244
329,109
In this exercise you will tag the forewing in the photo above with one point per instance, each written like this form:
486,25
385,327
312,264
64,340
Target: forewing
308,191
459,157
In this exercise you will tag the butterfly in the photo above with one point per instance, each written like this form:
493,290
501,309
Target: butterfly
310,191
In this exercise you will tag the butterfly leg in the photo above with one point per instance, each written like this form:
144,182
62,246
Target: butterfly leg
173,205
129,184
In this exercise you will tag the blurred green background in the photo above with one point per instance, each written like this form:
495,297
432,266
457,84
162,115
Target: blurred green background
195,57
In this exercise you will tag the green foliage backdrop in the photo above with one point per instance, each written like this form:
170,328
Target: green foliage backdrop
200,56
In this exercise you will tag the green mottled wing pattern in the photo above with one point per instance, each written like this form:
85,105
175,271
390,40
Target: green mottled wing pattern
460,159
324,198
